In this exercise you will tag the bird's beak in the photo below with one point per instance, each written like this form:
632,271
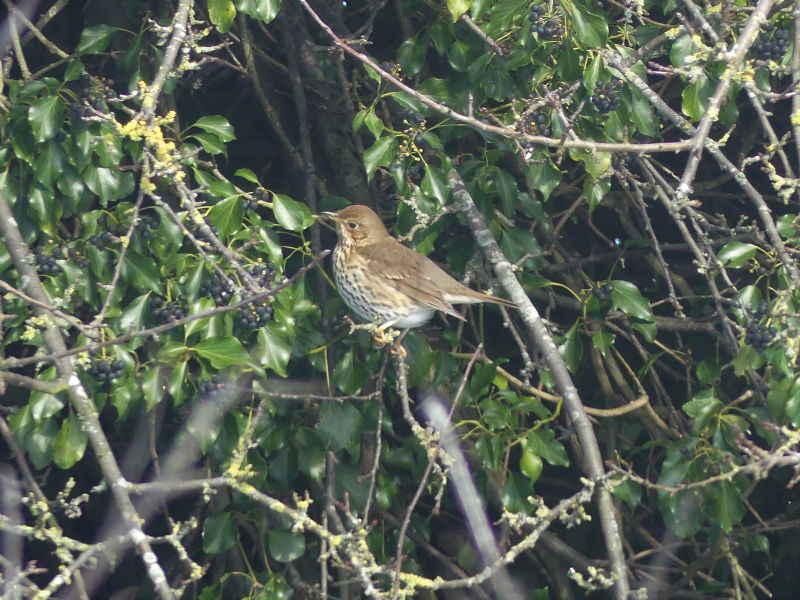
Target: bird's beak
331,216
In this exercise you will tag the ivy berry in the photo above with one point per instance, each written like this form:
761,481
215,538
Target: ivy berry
220,290
605,98
105,370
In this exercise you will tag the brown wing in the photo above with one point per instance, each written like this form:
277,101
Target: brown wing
412,274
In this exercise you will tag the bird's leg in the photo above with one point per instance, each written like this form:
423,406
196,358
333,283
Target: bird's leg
384,334
397,347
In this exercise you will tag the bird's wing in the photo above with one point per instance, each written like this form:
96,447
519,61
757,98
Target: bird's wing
412,274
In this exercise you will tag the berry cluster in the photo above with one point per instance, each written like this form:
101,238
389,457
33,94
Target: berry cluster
219,289
211,387
772,49
46,263
166,312
249,204
547,28
254,315
105,371
535,123
102,241
605,97
603,292
263,273
757,334
72,254
146,223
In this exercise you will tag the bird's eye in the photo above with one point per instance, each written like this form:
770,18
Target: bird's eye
352,225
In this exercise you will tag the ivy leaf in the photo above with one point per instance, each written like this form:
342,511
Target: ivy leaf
131,318
339,424
543,442
45,116
626,297
222,13
572,348
458,8
222,352
141,272
247,174
285,546
108,184
602,341
263,10
216,125
590,29
736,254
349,374
219,533
434,184
728,505
227,215
381,153
95,39
152,387
273,348
701,408
70,443
291,214
627,491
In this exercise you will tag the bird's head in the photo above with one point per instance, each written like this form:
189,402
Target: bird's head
358,225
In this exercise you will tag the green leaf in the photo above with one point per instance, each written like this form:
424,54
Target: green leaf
683,512
736,254
374,124
227,215
434,184
285,546
311,456
628,491
222,352
70,443
108,184
680,49
626,297
45,116
219,533
152,387
273,349
339,424
728,505
132,316
590,29
701,408
458,8
263,10
530,464
175,385
49,164
95,39
222,13
572,348
694,98
349,374
602,341
246,174
141,272
543,442
592,72
291,214
381,153
216,125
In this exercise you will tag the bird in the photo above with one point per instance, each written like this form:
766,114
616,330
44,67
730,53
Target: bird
387,283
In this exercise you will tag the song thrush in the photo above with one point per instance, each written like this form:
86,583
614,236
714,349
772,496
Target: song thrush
382,280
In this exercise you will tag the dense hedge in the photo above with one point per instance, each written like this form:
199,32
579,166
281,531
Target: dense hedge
186,409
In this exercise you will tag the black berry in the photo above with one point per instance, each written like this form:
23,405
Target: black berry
605,98
106,370
219,289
